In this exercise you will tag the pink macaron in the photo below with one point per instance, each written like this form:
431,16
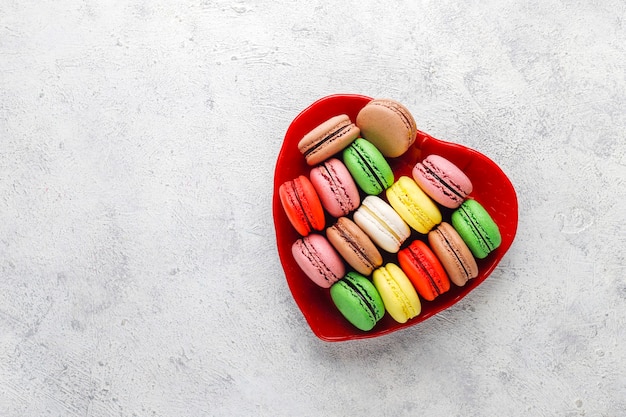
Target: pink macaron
318,260
335,187
443,181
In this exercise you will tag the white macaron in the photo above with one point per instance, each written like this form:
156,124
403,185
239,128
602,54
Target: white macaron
382,224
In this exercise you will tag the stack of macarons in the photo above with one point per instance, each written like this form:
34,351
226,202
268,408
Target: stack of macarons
378,243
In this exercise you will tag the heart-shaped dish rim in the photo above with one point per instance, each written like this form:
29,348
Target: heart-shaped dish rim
492,188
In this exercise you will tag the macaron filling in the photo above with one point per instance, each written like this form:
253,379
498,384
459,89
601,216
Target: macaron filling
300,199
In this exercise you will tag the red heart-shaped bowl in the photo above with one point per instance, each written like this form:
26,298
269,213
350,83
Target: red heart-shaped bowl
492,189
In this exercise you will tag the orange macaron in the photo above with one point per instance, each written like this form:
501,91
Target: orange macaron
423,268
302,205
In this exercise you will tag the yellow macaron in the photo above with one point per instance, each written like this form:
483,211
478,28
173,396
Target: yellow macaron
413,205
398,294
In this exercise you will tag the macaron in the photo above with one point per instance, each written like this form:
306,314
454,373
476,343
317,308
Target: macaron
398,294
318,260
413,205
358,300
443,181
388,125
327,139
354,246
368,167
302,205
382,223
335,187
423,268
476,228
453,253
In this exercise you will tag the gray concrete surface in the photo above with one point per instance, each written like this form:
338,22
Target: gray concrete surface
139,275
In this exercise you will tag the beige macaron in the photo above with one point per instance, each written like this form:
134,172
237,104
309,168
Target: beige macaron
354,246
327,139
388,125
453,253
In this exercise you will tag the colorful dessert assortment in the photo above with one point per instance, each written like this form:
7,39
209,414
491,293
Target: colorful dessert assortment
389,239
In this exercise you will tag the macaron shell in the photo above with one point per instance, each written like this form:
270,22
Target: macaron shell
443,181
453,253
302,205
424,270
358,301
389,125
354,246
327,139
398,294
413,205
318,260
368,167
476,228
335,187
382,224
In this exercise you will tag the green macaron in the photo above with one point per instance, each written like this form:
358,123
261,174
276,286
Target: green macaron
476,228
358,300
368,167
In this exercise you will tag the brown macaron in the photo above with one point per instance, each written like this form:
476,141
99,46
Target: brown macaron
388,125
453,253
327,139
354,246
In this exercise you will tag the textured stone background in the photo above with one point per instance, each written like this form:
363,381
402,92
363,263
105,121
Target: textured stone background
139,275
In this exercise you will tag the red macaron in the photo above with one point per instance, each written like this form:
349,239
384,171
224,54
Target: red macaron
423,268
302,205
